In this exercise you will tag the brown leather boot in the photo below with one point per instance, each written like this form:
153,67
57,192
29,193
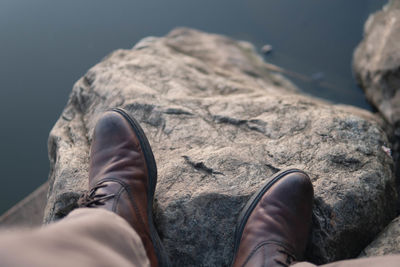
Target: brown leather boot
123,177
274,225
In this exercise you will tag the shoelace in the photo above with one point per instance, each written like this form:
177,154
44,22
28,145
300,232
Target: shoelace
289,258
92,199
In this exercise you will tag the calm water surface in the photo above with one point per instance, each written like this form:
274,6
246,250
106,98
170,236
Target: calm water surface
46,45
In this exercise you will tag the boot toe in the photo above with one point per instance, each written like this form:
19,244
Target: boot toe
112,125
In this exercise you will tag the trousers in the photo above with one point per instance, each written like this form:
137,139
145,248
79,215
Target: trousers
96,238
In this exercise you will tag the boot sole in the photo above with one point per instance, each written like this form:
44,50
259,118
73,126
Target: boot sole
162,256
251,204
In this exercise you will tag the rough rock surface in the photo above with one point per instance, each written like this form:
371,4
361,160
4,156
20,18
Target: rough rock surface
376,65
220,124
387,242
377,61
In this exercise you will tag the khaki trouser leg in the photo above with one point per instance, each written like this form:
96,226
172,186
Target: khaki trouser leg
96,237
382,261
86,237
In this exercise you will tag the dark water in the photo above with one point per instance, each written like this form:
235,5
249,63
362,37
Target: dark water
46,45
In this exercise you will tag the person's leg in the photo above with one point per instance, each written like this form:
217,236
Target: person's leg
273,227
122,180
86,237
382,261
123,177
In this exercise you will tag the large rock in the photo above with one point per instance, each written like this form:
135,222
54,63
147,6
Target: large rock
220,124
387,242
376,65
376,62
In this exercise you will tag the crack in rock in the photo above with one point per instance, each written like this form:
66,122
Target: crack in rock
200,166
